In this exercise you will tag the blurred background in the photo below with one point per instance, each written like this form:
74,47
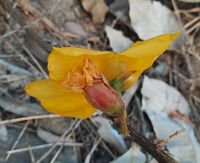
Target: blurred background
164,104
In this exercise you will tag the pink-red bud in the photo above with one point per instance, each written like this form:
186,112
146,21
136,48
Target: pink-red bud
104,98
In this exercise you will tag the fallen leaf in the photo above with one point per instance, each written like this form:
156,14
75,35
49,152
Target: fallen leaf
110,135
133,155
97,8
151,18
118,42
159,96
159,100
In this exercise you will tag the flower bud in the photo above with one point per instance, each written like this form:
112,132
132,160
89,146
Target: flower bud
104,98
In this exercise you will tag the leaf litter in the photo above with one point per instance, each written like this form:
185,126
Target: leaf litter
46,25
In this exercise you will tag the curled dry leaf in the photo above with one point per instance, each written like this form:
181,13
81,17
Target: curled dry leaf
97,8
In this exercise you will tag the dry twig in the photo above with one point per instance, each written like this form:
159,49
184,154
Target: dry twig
75,124
15,120
42,146
18,139
96,143
160,155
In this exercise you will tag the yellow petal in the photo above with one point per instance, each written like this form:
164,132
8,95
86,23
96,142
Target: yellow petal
62,60
57,99
131,80
141,55
138,57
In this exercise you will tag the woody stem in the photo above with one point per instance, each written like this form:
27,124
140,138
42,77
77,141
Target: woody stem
123,123
159,154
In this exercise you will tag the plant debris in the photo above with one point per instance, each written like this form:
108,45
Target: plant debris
163,105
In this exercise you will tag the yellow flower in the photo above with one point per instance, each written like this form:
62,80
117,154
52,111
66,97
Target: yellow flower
73,71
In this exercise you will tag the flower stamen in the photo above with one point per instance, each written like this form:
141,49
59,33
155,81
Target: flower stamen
81,76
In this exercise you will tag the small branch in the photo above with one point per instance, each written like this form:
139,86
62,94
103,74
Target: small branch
42,146
165,141
159,154
18,138
87,160
28,118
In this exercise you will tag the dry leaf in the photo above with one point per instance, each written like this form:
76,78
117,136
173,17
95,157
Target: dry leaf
110,135
161,97
158,101
97,8
118,42
133,155
151,18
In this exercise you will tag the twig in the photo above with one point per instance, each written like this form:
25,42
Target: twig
187,58
87,160
29,118
11,78
165,141
23,58
31,155
57,154
90,129
42,146
193,28
8,56
36,62
160,155
74,124
191,22
33,58
34,13
18,139
197,9
5,92
15,69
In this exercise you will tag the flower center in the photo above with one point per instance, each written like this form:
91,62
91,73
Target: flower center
83,75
